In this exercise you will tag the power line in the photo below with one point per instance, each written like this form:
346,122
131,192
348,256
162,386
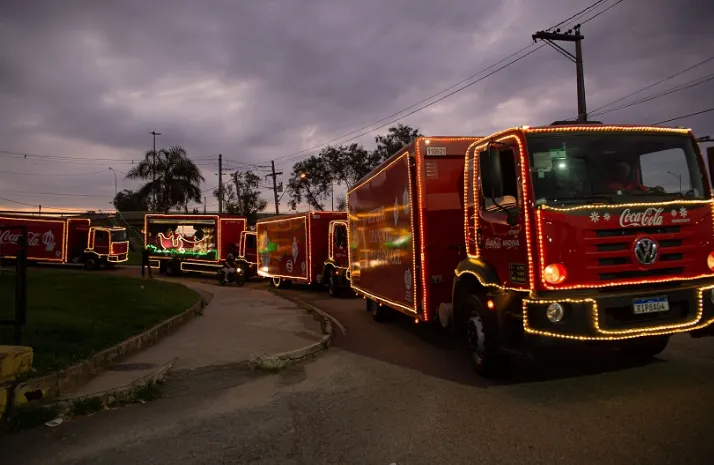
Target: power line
435,101
58,174
683,116
49,193
35,206
687,85
655,84
576,15
602,11
296,155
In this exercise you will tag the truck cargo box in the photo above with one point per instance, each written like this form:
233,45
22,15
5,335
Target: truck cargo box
406,226
295,247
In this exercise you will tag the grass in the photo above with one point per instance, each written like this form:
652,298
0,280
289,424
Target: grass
134,259
72,315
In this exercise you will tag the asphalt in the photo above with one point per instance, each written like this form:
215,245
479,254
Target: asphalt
401,393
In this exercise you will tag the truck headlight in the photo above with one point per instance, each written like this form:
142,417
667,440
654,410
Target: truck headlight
554,273
555,312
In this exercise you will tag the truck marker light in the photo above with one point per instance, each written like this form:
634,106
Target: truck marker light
490,304
555,273
710,261
612,335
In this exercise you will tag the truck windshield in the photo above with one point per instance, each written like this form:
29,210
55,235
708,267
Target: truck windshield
581,168
119,236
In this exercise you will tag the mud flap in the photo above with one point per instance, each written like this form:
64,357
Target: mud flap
706,331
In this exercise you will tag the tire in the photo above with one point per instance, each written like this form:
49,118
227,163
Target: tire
240,278
280,283
482,339
173,268
333,287
91,263
646,346
380,313
221,278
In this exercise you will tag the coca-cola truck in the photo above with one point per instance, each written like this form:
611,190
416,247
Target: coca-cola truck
191,243
541,236
64,240
248,253
309,248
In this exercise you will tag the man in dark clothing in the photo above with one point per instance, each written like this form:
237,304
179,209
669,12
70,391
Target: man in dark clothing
145,262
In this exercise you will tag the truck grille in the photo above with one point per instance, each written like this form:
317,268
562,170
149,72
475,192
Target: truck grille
610,256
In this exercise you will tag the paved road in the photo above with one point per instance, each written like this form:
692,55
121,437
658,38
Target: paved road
400,393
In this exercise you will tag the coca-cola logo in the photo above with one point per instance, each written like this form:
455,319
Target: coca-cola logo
33,239
649,217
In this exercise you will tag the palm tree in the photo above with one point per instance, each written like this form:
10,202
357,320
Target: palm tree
178,179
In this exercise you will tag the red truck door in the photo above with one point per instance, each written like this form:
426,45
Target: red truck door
338,243
500,221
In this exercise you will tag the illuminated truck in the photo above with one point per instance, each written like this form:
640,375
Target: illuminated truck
64,240
308,248
560,234
191,243
248,253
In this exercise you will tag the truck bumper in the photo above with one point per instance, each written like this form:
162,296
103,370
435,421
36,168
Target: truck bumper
608,315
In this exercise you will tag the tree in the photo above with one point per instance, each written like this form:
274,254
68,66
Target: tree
396,138
311,182
348,164
243,196
177,183
130,201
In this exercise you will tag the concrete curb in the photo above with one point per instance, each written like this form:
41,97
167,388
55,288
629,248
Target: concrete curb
280,360
52,386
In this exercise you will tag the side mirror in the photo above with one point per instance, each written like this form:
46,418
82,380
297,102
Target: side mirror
512,218
490,171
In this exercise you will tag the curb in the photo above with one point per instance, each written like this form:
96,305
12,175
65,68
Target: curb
52,386
280,360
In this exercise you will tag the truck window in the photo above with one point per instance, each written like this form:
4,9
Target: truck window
666,168
119,236
250,241
101,238
510,185
340,236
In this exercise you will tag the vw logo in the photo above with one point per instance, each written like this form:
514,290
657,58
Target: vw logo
646,251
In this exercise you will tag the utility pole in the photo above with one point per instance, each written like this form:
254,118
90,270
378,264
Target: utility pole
153,166
572,35
220,183
205,201
275,175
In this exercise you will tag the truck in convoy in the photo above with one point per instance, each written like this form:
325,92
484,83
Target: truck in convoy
309,248
248,254
63,240
541,236
191,243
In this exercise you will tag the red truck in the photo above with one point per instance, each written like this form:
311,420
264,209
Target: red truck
64,240
308,248
248,254
541,236
191,243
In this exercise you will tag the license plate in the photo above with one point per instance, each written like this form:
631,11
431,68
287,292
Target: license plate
650,305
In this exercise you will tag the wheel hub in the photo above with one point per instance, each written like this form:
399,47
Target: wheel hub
476,338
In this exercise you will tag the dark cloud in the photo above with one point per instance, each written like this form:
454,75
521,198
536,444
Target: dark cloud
261,80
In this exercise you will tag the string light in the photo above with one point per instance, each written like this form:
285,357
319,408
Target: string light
243,245
626,205
331,238
614,335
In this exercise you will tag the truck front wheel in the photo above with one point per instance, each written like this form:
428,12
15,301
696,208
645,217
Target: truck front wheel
482,339
91,263
647,346
380,313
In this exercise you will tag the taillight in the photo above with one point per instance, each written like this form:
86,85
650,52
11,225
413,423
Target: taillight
710,261
554,273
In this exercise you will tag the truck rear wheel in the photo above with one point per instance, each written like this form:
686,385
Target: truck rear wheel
91,263
333,287
482,339
380,313
647,346
280,283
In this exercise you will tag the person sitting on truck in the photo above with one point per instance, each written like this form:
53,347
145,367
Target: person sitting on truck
622,179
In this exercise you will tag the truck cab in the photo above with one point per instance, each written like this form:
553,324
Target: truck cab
248,253
105,246
335,274
583,233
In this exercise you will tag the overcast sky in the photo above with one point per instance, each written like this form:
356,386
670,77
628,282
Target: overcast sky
261,80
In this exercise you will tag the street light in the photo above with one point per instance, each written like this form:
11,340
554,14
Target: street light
115,185
153,164
678,176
